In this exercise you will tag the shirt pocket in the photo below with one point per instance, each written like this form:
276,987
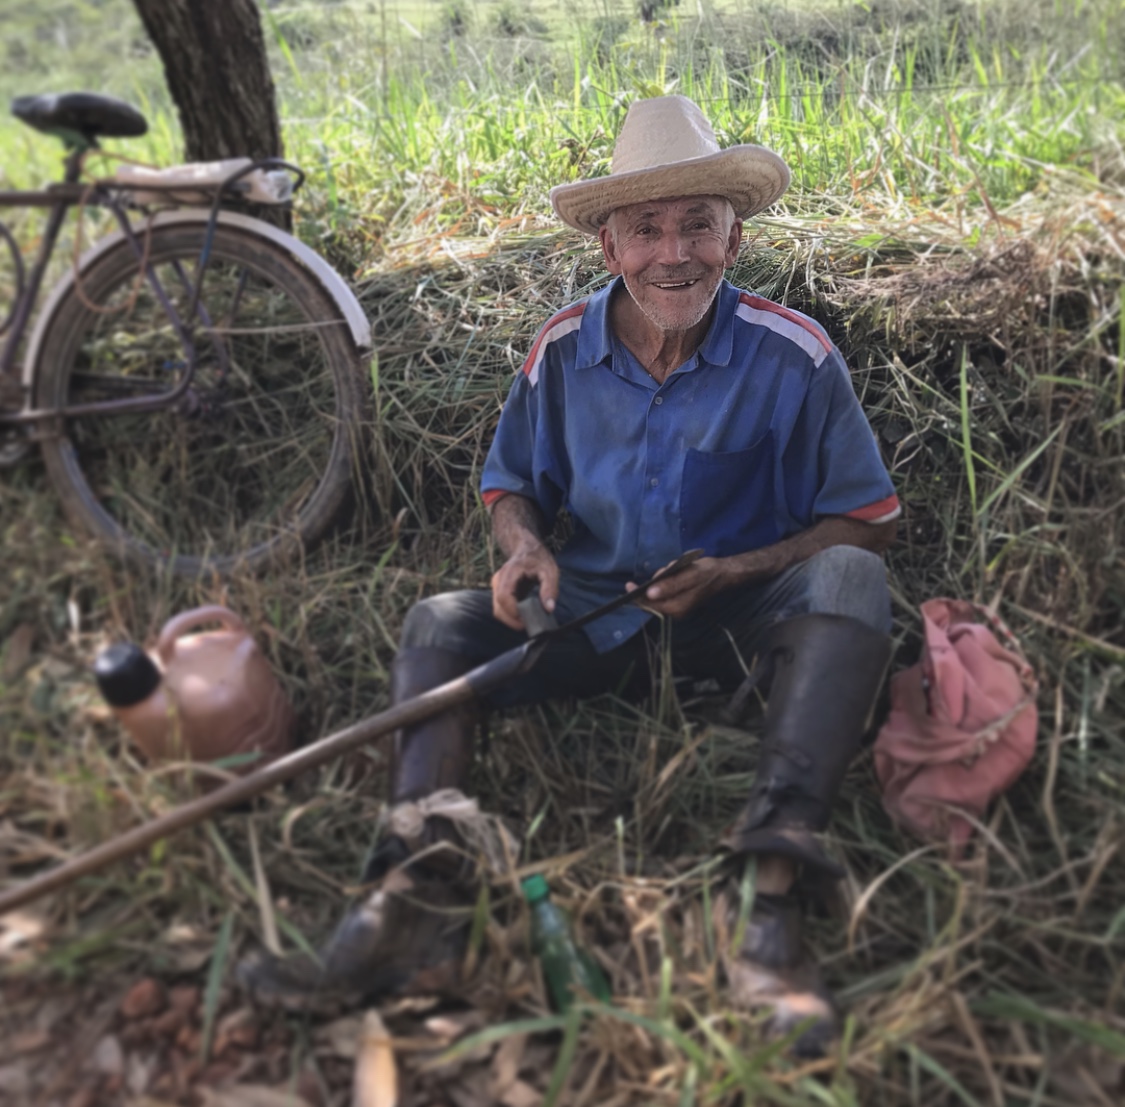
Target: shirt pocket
727,500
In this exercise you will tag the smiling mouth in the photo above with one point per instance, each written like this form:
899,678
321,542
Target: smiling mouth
672,286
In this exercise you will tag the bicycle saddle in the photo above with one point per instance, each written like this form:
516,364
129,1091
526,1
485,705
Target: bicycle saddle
78,118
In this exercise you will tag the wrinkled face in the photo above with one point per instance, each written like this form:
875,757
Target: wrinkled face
672,254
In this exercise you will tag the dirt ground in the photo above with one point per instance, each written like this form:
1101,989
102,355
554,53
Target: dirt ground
140,1042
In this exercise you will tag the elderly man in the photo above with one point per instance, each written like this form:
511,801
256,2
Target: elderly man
668,411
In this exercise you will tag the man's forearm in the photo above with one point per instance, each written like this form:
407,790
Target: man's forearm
517,524
837,530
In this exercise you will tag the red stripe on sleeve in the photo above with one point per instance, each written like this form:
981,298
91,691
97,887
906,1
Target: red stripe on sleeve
578,309
493,494
881,512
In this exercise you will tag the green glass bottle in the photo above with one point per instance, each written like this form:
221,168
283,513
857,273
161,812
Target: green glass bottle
566,966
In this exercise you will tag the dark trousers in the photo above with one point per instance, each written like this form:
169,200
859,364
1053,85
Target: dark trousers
717,641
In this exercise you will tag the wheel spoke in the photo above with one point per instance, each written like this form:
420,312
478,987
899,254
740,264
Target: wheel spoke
253,450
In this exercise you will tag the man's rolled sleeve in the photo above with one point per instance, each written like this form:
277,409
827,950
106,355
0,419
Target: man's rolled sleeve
512,464
851,477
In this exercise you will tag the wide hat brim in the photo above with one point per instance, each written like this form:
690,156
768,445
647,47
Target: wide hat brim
750,177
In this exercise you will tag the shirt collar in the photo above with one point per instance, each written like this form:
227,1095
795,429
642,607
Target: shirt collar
718,344
595,338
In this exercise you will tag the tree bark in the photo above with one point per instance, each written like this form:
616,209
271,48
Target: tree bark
217,71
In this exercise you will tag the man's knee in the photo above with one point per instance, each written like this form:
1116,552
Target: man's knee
444,621
850,562
845,580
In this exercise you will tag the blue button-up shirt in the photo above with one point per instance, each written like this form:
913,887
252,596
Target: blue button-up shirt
755,437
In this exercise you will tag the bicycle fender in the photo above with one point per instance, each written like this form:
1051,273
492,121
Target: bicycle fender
327,277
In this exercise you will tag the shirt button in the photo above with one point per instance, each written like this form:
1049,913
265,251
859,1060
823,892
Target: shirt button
618,634
658,401
653,483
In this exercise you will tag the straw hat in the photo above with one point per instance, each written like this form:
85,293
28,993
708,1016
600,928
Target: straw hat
667,148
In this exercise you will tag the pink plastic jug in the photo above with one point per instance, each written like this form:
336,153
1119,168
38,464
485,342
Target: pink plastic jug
201,696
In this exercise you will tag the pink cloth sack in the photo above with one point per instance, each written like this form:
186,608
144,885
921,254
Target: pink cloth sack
962,723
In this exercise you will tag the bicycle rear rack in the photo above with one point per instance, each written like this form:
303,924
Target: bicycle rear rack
102,193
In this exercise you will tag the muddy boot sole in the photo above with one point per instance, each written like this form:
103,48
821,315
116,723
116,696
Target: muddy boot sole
407,938
769,973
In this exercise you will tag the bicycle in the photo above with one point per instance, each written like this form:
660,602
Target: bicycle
195,382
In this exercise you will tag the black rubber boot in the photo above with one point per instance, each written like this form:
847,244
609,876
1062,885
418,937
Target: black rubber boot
825,674
436,753
409,935
430,756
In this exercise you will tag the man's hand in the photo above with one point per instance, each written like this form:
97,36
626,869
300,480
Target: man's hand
532,561
708,576
688,588
518,527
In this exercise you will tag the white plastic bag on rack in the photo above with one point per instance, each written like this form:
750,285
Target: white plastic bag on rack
196,182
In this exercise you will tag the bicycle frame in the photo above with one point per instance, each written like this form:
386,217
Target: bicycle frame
60,198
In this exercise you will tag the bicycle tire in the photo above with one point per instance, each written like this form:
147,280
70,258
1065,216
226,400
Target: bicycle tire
257,460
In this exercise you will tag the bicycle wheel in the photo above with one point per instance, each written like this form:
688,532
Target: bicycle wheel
256,459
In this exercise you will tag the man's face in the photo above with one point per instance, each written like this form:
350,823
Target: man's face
672,254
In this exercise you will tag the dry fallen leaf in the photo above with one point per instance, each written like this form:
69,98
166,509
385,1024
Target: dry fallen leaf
29,1041
187,948
376,1080
107,1057
521,1094
470,1090
453,1026
250,1095
19,930
144,998
341,1036
139,1071
15,1079
238,1028
410,1005
506,1064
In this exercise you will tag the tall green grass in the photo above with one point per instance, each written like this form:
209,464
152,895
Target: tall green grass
405,124
962,104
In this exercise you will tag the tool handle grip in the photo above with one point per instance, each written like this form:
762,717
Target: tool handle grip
536,618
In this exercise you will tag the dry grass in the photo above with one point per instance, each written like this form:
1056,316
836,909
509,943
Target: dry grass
992,374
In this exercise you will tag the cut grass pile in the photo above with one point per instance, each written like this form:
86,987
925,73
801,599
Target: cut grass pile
976,291
1001,976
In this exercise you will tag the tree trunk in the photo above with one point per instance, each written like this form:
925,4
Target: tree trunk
215,64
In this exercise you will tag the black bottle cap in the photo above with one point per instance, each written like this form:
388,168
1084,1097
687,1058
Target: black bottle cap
125,674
